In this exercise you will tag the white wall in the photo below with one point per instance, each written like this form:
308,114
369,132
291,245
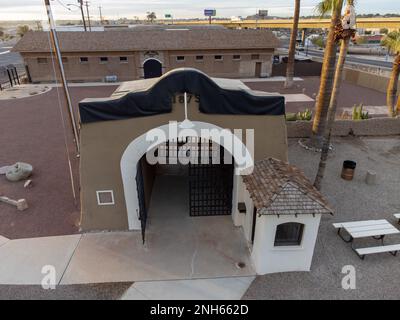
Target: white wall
270,259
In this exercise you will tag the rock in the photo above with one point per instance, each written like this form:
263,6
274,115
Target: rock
28,184
19,171
3,170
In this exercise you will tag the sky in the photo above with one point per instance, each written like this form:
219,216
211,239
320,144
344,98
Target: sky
114,9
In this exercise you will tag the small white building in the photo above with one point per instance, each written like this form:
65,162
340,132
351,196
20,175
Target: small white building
282,215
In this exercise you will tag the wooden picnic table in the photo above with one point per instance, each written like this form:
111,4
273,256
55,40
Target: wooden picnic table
377,229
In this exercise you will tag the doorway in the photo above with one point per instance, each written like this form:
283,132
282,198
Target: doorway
258,69
152,69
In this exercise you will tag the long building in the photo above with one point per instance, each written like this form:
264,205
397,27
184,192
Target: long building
139,53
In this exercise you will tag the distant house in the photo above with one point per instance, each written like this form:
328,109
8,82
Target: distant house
138,53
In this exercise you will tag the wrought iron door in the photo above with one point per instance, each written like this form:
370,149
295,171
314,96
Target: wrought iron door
210,188
142,202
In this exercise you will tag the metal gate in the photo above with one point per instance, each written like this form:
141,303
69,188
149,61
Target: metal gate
142,201
210,187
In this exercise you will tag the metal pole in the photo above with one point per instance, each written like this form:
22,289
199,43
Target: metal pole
87,14
101,16
57,52
83,15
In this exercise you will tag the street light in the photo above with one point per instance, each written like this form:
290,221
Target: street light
80,6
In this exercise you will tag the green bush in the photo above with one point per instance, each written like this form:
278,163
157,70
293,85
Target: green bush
305,115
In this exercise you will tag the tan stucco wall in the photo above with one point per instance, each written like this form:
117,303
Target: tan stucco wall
103,143
95,71
367,80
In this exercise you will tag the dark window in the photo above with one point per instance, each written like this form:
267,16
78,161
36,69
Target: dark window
84,59
123,59
180,58
218,57
236,57
103,59
64,60
199,58
41,60
255,56
289,234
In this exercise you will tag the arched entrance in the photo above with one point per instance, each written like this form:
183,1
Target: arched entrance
141,145
152,68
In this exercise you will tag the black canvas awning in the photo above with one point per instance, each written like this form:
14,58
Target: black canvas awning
157,99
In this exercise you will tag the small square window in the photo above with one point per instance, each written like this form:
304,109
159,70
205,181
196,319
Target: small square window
64,59
180,58
199,58
236,57
123,59
289,234
218,58
103,59
255,57
83,59
105,197
41,60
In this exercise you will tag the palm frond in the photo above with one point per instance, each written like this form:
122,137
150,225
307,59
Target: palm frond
392,41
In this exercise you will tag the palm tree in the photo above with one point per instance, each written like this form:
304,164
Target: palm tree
292,46
151,16
327,72
392,42
345,35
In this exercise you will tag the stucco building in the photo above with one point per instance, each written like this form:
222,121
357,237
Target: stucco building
137,53
179,120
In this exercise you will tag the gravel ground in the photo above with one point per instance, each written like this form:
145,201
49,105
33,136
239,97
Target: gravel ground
378,276
103,291
31,131
350,94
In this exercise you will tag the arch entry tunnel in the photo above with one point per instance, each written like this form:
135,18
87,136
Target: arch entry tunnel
210,214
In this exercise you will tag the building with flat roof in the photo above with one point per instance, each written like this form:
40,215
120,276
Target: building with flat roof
138,53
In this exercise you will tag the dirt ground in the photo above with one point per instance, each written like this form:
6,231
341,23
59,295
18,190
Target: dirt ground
31,131
350,94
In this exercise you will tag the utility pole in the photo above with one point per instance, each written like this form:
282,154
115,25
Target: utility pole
83,15
87,14
57,52
101,16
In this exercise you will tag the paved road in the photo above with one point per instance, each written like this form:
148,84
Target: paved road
7,57
349,58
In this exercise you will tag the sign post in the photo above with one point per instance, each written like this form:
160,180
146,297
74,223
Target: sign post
169,16
210,13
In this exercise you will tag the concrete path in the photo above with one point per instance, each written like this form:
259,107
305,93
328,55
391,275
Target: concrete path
200,289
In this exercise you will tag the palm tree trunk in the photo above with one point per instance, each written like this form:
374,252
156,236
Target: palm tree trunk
326,84
332,112
392,87
292,47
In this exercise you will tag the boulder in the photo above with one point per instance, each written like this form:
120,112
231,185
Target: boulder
19,171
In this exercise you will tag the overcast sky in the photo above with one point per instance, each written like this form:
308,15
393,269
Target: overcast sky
34,9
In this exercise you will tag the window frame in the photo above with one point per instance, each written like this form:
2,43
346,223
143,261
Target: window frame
43,59
83,61
289,242
103,61
255,56
124,60
218,55
183,59
234,58
199,60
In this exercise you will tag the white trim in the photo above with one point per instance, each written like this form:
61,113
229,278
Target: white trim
138,148
147,59
106,203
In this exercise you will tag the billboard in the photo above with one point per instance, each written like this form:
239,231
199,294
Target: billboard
210,12
263,13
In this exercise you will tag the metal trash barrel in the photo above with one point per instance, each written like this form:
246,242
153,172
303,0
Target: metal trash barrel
348,169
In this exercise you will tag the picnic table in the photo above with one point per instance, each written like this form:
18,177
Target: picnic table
377,229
